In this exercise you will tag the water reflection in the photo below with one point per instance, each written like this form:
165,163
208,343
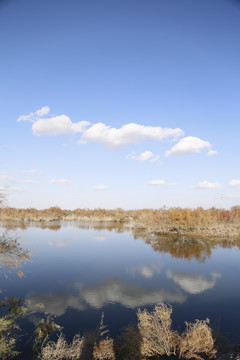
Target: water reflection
12,255
147,271
81,268
99,238
131,296
60,243
185,247
182,247
110,291
57,225
193,284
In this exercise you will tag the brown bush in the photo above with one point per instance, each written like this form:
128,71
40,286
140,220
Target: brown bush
61,350
157,337
196,341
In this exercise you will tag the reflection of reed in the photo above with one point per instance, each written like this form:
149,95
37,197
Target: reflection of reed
185,247
12,256
109,226
57,225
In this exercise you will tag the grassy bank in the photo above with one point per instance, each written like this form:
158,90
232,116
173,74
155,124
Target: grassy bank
185,221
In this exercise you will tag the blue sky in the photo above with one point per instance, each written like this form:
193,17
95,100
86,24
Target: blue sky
130,103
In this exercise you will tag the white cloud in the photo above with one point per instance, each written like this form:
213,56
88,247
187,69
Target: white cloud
60,181
160,182
155,159
33,116
212,152
82,142
111,137
193,284
5,178
128,134
206,185
43,111
54,125
234,182
100,187
144,156
58,125
190,144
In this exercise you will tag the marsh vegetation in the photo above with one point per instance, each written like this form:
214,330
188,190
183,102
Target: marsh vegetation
152,337
213,221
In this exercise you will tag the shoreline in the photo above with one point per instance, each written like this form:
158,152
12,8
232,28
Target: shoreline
147,221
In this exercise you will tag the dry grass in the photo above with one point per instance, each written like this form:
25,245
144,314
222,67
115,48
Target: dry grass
187,216
152,337
62,350
103,350
149,217
196,341
79,348
157,337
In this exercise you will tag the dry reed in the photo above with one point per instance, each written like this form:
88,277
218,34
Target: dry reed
157,337
197,340
62,350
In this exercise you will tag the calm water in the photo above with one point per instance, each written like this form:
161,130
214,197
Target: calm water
77,271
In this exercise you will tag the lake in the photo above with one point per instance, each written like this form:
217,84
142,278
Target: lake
79,270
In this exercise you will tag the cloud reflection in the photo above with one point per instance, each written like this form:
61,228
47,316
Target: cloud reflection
60,243
99,238
54,303
146,271
193,284
110,291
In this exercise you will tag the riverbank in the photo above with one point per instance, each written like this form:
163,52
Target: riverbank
211,222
